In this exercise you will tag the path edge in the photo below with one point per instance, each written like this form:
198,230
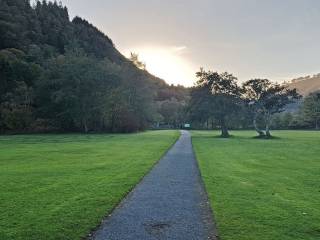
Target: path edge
91,234
214,228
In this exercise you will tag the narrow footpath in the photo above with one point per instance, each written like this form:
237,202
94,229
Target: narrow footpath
169,203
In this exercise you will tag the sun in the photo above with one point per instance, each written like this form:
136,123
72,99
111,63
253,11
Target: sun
167,63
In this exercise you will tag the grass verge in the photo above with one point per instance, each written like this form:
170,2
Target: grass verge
61,186
262,189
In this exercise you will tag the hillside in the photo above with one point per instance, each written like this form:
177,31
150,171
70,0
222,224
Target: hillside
306,85
63,75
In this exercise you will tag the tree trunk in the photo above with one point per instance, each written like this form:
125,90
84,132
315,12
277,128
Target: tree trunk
260,132
224,129
113,122
268,134
85,126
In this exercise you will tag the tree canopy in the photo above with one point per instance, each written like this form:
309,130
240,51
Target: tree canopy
311,109
62,75
265,99
217,96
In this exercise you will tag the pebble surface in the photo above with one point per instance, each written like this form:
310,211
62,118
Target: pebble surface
169,203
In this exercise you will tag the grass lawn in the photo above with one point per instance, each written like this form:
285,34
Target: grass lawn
61,186
262,189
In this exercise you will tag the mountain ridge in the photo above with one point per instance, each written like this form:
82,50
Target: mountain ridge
306,85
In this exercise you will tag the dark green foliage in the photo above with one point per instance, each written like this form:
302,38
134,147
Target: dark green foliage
173,112
16,92
216,96
18,24
265,99
311,109
62,75
218,102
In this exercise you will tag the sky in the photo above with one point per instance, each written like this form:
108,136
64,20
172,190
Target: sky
275,39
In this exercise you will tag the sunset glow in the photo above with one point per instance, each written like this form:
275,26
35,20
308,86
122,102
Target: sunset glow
167,63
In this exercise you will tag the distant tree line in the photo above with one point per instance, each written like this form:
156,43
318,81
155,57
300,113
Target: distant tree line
306,117
67,76
218,101
62,75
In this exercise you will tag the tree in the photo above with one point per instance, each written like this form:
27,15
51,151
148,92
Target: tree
16,109
134,57
218,95
264,99
282,120
199,105
16,92
172,112
311,109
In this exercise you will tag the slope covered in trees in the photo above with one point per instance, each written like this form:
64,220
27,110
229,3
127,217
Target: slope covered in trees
306,85
62,75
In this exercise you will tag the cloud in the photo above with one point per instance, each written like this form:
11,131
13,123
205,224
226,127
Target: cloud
179,48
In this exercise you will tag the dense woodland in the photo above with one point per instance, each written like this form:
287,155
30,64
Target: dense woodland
62,75
58,75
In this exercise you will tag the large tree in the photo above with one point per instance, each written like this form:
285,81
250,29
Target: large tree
199,105
265,98
219,94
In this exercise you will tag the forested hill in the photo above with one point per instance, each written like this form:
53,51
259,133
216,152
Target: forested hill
62,75
306,85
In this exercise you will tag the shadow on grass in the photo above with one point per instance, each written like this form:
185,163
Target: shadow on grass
216,136
238,137
222,137
267,137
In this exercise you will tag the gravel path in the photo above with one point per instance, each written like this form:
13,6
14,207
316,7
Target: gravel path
169,203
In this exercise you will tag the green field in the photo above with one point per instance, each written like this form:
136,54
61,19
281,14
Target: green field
262,189
61,186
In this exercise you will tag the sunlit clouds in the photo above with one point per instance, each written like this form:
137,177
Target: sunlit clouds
179,49
273,39
167,62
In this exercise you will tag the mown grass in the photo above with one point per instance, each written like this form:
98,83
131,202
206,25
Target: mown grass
61,186
262,189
